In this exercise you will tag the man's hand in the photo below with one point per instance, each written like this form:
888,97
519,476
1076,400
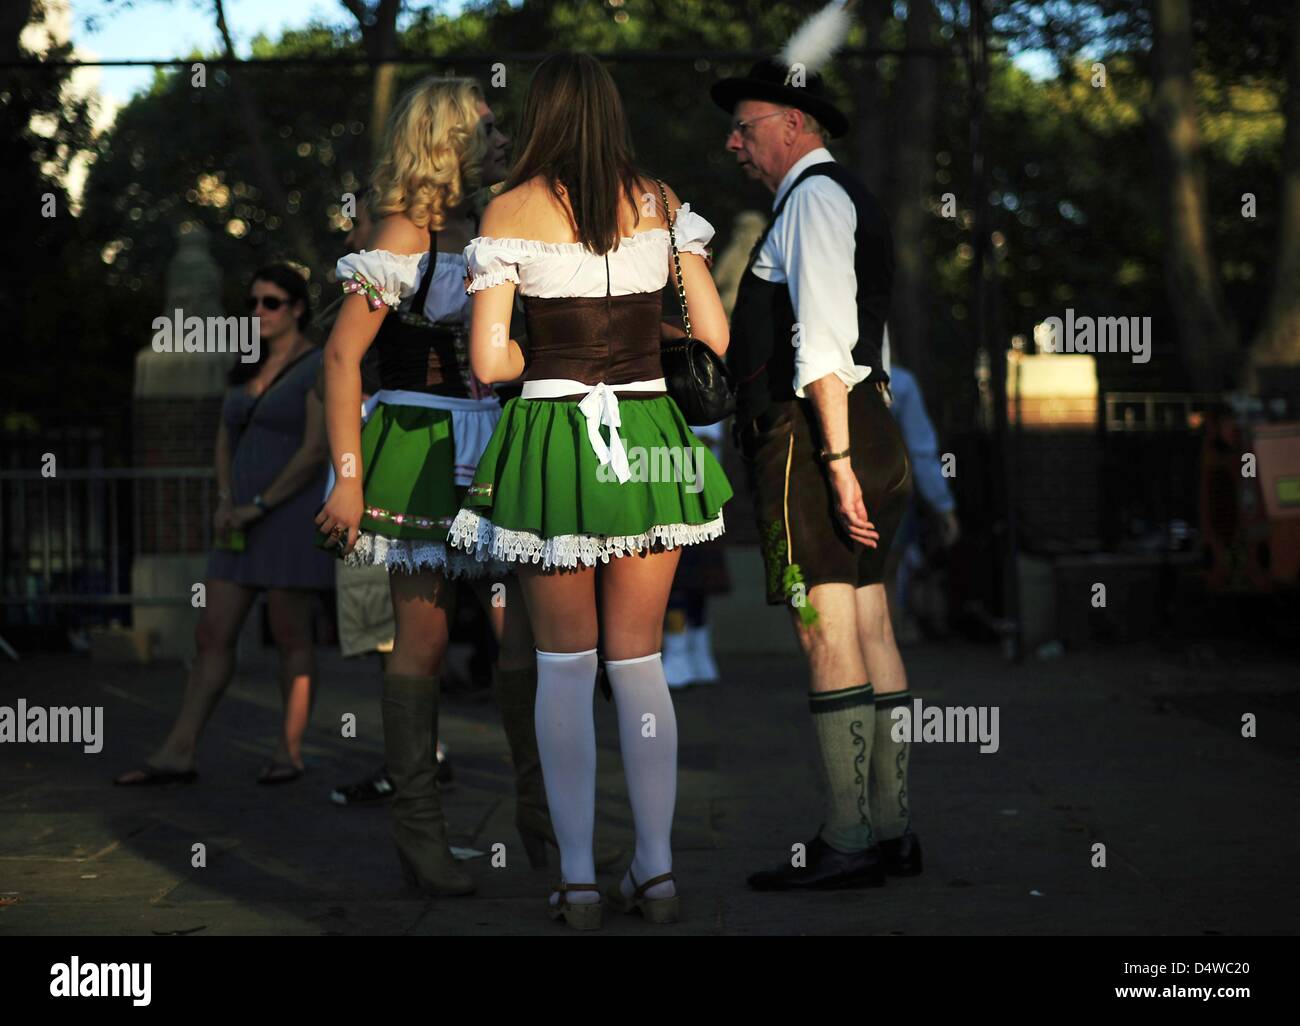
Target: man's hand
849,507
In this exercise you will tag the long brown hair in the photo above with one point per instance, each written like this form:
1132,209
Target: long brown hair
574,134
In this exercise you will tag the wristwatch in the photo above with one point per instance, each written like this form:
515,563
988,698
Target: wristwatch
827,457
261,503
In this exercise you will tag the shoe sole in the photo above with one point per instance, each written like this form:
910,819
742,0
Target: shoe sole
662,911
432,890
582,916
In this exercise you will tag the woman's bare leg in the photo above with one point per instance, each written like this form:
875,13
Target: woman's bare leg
214,664
290,612
422,605
503,601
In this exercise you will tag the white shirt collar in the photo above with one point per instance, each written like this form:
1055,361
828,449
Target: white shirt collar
817,156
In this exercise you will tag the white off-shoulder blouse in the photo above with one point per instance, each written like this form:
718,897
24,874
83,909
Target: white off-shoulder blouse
641,263
391,279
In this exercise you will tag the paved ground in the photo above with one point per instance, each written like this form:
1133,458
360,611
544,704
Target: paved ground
1133,747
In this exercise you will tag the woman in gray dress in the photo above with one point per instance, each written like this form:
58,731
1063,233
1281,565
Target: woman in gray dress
271,454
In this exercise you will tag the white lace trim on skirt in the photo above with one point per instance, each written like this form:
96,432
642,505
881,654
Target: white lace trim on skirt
477,534
412,556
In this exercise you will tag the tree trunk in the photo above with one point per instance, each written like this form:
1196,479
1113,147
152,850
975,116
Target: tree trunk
869,148
915,113
14,17
1207,337
379,34
1278,342
301,246
384,36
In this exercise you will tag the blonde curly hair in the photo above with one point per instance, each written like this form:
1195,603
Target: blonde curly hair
434,147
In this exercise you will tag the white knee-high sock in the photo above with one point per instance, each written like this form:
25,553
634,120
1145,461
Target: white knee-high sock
647,734
566,742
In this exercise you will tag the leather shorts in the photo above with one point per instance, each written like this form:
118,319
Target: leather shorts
803,540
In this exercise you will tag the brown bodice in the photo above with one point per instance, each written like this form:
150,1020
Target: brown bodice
614,339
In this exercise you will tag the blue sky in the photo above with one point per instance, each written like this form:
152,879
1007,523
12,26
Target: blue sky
155,29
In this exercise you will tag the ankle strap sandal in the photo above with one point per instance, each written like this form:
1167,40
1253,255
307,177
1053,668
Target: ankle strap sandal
586,915
653,910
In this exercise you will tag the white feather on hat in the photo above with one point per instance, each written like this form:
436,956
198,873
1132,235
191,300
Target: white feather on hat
817,38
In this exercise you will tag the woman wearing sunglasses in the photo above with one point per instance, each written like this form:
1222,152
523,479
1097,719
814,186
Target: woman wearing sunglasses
270,461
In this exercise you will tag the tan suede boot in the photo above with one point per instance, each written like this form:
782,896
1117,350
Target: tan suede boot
419,829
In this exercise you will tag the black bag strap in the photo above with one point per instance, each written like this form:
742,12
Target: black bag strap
422,293
248,417
677,262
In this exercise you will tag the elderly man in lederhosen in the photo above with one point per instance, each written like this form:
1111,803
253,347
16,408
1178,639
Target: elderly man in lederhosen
826,463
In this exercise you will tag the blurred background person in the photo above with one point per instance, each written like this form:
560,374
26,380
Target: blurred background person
907,555
270,464
702,569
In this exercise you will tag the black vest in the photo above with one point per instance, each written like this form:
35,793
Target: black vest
416,355
761,354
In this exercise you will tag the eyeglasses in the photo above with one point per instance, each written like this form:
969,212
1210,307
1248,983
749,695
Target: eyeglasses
270,302
743,126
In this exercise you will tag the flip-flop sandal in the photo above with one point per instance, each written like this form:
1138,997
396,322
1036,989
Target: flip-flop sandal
154,777
279,773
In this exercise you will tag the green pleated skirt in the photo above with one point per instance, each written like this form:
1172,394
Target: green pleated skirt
409,470
541,495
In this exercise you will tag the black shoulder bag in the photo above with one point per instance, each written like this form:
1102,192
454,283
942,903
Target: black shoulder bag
697,379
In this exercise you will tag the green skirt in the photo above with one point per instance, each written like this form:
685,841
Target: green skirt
540,494
408,460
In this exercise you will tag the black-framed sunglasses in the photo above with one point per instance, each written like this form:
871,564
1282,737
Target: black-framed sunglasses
270,302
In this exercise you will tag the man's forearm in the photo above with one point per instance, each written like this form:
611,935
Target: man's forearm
830,399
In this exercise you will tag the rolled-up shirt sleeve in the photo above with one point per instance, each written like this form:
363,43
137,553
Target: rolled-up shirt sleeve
822,280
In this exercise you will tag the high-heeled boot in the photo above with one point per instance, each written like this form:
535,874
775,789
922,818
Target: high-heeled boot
419,829
516,694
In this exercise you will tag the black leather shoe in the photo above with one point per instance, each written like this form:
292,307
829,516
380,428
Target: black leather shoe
826,870
902,855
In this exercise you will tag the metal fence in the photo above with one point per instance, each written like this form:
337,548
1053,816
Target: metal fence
69,539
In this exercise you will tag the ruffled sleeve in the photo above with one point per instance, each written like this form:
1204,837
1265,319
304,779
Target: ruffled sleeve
693,232
383,277
491,262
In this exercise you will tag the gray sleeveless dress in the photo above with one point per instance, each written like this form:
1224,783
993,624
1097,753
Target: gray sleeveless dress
278,550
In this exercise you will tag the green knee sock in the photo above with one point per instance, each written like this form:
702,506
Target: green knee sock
845,722
889,769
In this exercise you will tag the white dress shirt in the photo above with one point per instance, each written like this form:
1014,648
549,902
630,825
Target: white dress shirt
811,248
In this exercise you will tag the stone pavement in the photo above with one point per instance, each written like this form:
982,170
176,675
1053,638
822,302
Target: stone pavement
1133,747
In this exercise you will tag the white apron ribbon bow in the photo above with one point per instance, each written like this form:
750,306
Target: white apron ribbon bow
600,407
